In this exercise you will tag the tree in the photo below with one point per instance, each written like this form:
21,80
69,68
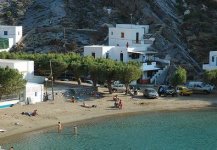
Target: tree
211,76
11,81
129,72
76,67
179,76
93,68
108,72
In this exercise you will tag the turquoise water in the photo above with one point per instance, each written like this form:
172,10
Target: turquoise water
188,130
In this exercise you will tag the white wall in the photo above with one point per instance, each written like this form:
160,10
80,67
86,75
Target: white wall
129,34
23,66
212,61
34,92
214,55
100,51
146,27
14,32
19,33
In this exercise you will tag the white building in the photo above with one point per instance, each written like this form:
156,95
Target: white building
10,34
212,61
128,43
34,90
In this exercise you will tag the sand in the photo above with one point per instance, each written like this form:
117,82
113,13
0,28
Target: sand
51,112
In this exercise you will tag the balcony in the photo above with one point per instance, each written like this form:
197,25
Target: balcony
209,67
146,41
136,41
147,36
149,66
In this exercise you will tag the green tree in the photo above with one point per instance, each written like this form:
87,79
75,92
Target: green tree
108,72
11,81
179,76
211,76
93,68
76,66
129,72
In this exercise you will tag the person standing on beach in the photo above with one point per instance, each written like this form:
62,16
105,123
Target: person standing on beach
120,104
12,148
59,127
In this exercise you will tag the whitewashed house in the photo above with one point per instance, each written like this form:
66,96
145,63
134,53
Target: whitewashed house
128,42
212,61
34,89
9,36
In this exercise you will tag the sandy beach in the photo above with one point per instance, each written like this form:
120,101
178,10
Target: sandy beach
51,112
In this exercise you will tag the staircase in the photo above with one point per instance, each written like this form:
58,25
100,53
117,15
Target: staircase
160,76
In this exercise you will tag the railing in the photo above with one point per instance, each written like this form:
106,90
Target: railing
136,41
146,41
147,36
161,73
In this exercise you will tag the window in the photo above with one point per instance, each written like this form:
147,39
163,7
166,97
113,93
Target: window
36,93
213,58
135,56
111,33
122,34
107,55
5,32
93,54
18,33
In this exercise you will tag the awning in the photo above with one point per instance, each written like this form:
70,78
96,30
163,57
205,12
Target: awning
132,51
150,52
150,69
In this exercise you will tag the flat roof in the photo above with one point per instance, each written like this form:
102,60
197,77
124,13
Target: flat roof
13,60
9,26
148,69
98,46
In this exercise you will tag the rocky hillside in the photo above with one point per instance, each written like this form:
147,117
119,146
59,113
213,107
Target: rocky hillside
185,30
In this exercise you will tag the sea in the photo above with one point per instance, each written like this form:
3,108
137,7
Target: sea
157,130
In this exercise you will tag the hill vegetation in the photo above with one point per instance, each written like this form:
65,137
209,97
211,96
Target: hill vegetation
185,30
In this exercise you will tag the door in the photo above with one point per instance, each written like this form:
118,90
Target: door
137,37
121,56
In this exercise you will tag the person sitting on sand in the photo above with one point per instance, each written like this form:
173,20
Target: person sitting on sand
73,100
115,98
34,113
116,104
87,106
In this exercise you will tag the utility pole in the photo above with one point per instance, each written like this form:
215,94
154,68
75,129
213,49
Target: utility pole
51,73
131,19
64,37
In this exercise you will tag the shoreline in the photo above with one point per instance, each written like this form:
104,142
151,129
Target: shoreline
72,113
14,137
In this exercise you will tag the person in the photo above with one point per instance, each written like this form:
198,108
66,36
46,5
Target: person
59,127
120,104
87,106
73,99
115,98
34,113
116,104
12,148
